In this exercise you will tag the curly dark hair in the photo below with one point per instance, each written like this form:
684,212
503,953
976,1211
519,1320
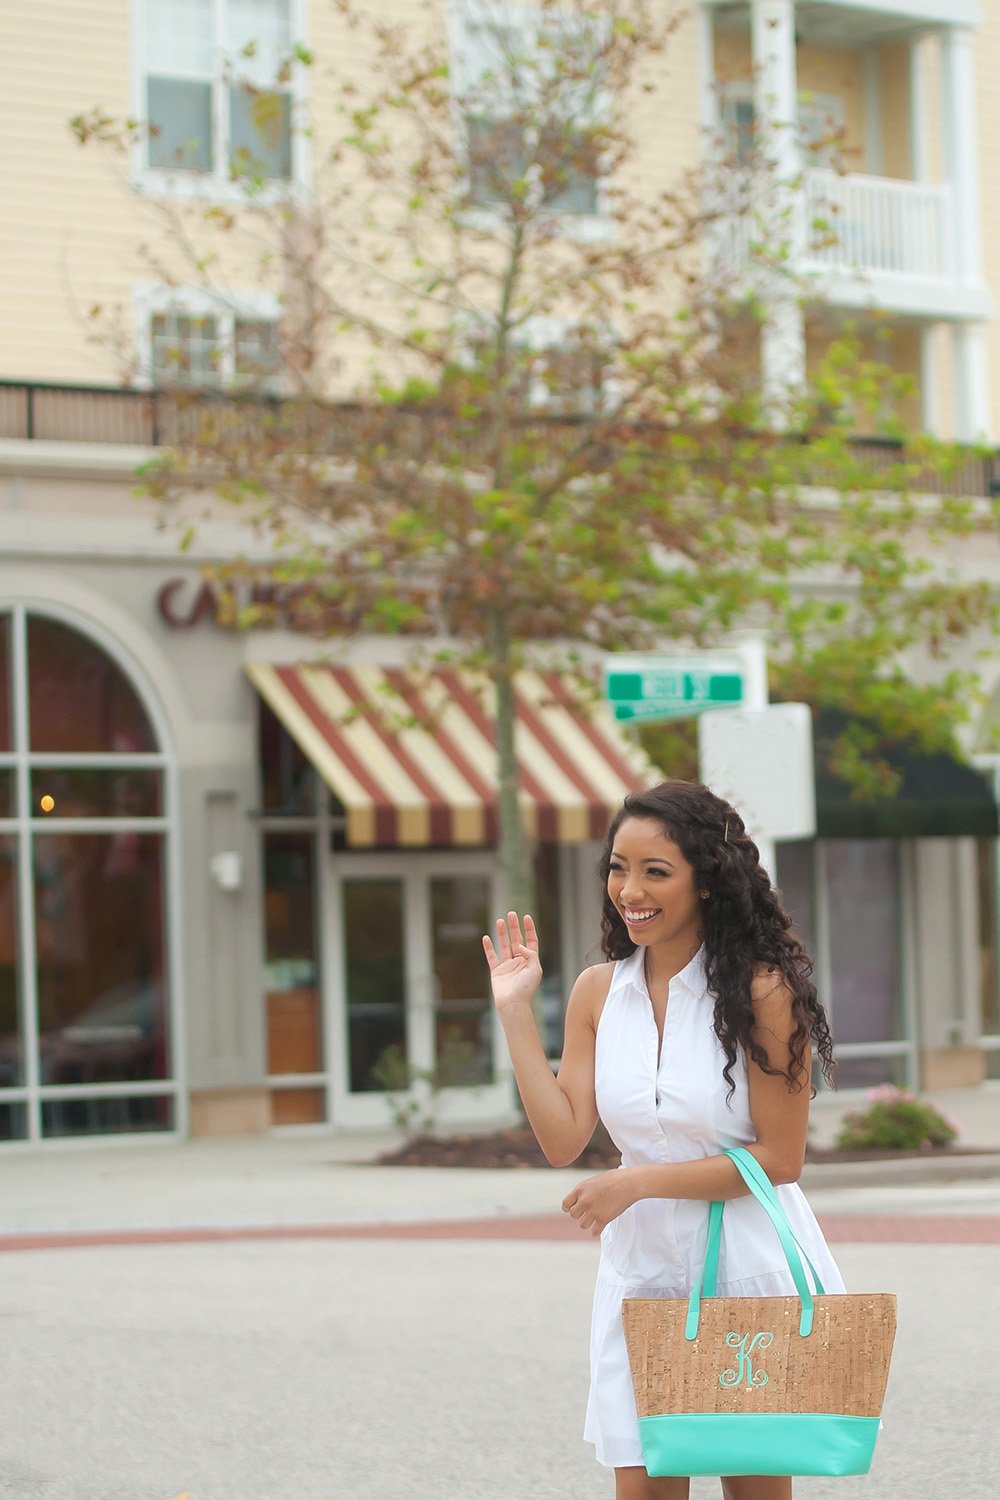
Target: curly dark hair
745,925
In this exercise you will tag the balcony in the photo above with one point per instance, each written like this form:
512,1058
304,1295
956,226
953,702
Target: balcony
865,242
887,88
878,241
112,417
875,226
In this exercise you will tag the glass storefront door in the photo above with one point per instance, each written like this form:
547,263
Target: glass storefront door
410,992
375,984
86,1034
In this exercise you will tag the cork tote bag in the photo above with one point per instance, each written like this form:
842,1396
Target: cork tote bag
759,1385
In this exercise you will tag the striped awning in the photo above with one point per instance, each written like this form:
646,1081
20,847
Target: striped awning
412,756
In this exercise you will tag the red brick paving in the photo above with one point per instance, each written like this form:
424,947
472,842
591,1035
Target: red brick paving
915,1229
891,1229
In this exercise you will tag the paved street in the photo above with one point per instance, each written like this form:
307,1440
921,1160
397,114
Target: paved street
428,1369
373,1361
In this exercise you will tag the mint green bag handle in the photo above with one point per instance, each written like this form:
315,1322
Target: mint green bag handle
762,1189
753,1166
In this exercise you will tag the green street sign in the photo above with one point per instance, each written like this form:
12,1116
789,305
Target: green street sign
664,687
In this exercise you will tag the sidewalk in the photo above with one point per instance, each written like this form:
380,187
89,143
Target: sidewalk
328,1180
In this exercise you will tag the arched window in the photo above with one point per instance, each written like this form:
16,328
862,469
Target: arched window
85,1035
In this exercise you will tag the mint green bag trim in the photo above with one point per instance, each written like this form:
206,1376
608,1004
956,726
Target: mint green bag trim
771,1205
740,1155
758,1443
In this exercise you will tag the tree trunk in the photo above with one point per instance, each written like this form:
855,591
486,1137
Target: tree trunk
512,845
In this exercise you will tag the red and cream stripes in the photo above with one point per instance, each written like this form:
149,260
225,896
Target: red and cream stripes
412,756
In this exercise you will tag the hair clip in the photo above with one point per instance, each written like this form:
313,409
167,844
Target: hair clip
725,839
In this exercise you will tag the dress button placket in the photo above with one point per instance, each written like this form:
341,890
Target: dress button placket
662,1061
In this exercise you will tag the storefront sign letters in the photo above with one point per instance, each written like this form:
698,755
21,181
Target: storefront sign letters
185,602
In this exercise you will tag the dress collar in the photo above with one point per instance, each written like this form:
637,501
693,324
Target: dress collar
692,976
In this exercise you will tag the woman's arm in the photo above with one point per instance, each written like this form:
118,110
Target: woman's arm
561,1109
780,1119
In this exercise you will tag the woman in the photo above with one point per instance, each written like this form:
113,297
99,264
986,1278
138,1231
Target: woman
694,1038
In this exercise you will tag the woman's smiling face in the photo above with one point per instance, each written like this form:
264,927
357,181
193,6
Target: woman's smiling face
652,885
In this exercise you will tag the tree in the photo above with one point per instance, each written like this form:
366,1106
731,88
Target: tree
547,429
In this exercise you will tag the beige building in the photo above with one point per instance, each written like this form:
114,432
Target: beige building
220,911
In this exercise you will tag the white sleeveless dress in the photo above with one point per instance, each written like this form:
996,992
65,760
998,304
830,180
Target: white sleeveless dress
676,1111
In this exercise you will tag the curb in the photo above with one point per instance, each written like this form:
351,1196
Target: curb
901,1171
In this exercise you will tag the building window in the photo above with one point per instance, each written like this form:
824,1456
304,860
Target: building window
528,89
820,122
86,1043
738,122
554,368
845,898
569,378
217,88
294,1010
204,350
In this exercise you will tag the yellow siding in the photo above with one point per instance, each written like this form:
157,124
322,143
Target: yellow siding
896,345
58,235
821,70
838,71
74,231
894,97
72,228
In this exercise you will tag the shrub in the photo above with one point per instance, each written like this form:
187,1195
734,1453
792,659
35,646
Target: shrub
413,1096
895,1120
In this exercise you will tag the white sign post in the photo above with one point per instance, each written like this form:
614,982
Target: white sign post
761,760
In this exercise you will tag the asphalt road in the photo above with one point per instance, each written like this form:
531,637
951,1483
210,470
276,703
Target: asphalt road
451,1369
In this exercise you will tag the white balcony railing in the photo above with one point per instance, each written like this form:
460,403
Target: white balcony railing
845,225
877,226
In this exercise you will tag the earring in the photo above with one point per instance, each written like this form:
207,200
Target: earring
704,895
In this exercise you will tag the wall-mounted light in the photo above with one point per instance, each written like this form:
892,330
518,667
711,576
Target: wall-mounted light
47,803
227,870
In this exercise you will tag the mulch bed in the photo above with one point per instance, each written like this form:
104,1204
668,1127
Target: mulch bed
518,1148
501,1148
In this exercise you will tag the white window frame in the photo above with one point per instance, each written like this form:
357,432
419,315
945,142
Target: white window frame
25,824
198,302
540,335
548,335
216,185
810,102
462,15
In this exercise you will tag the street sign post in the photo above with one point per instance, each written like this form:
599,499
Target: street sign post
759,758
658,686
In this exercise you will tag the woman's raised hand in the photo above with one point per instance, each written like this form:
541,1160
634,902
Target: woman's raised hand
515,971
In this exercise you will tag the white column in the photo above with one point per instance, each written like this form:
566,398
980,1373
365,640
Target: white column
919,168
930,414
783,351
961,159
973,421
961,156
